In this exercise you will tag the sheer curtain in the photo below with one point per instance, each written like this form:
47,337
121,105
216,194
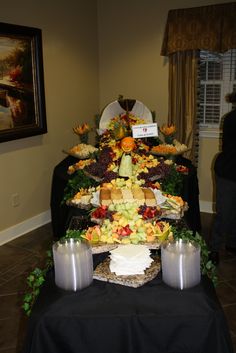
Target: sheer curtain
187,32
183,92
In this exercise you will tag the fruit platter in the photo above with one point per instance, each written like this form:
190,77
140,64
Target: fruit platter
170,146
169,149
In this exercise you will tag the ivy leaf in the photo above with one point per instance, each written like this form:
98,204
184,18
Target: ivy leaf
26,306
209,265
39,281
27,298
35,280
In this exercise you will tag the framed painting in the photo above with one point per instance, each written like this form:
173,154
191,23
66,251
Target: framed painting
22,97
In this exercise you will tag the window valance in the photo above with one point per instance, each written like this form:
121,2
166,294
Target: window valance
207,27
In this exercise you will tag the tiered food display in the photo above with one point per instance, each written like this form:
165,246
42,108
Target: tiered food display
131,194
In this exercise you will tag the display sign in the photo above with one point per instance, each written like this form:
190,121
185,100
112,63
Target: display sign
145,130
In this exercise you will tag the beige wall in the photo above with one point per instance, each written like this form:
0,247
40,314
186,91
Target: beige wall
209,147
130,38
70,49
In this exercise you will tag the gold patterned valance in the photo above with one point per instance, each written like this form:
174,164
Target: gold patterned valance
208,27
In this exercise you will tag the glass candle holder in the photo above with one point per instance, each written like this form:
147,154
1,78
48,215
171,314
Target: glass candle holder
181,264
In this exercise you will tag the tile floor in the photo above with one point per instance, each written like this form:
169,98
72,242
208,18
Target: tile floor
20,256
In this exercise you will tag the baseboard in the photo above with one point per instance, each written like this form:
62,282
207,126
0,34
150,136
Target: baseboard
28,225
206,206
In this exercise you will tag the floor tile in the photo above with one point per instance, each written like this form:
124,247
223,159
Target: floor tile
9,332
10,306
37,240
225,293
230,313
226,269
10,256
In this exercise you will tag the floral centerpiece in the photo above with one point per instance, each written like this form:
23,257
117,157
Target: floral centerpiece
168,132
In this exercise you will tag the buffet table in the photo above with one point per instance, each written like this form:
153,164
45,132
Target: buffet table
105,318
62,214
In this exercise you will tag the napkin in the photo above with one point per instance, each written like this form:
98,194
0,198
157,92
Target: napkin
130,259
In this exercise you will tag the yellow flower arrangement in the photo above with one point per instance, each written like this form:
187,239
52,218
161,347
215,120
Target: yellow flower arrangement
168,130
82,131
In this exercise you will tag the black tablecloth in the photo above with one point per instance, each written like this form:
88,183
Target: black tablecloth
190,193
110,318
62,214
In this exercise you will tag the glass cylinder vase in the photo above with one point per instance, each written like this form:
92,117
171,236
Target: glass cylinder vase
73,264
84,138
181,264
169,139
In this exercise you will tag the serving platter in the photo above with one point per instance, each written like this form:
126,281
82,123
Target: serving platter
178,153
103,273
80,153
75,154
98,248
115,109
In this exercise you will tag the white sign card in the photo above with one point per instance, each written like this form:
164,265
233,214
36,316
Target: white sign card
145,130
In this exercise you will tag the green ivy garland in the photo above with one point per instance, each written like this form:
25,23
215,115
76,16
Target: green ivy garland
34,281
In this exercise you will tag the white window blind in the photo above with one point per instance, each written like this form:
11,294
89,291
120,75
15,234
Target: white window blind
217,78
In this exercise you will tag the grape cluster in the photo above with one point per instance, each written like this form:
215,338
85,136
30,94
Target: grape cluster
109,176
96,169
161,171
99,167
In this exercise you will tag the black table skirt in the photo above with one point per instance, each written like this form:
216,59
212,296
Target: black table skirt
110,318
62,214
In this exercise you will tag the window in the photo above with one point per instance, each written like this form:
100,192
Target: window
217,78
